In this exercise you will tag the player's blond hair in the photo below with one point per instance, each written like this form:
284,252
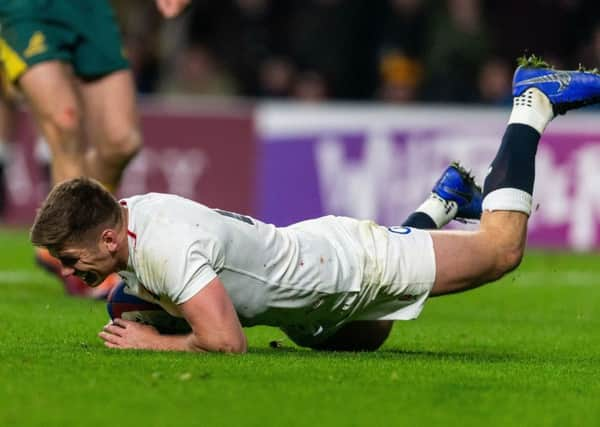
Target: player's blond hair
72,211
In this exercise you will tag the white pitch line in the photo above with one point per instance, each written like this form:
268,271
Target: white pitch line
17,277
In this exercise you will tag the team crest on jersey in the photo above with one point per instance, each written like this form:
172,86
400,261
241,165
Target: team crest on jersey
37,45
399,229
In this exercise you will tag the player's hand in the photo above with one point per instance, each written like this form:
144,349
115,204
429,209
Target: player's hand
127,334
171,8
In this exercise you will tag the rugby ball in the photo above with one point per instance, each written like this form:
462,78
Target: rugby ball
129,307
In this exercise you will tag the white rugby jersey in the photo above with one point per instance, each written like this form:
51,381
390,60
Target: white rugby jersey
306,277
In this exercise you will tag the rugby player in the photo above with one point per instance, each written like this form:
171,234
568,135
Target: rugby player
329,283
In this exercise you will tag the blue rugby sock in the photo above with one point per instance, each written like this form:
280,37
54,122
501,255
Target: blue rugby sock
509,184
514,165
420,220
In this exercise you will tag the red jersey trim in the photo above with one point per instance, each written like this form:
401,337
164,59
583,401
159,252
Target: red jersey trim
129,232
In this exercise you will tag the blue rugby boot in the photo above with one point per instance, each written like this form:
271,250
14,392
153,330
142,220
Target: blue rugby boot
565,89
458,185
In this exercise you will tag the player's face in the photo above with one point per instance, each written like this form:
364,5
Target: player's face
92,265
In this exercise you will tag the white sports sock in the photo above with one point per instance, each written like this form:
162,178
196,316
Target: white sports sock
508,199
532,108
439,210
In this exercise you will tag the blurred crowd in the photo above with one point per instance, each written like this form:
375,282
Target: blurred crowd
395,51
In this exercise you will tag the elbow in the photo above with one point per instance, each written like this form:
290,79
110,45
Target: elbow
231,347
235,346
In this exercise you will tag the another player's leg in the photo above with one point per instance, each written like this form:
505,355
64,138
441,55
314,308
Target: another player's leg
468,259
111,125
51,92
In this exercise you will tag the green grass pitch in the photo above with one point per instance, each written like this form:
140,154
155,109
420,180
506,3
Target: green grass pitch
521,352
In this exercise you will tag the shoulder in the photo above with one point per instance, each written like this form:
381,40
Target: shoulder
161,207
152,198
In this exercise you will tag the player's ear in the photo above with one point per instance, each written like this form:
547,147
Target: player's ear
109,238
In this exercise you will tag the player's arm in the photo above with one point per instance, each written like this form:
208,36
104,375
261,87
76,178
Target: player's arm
214,322
171,8
211,315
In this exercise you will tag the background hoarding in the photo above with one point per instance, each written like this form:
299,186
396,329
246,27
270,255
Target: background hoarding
288,162
207,154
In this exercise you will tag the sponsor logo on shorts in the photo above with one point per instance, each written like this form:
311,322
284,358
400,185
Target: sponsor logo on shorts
399,229
37,45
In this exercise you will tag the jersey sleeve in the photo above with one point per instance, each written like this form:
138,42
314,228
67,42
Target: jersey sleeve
189,276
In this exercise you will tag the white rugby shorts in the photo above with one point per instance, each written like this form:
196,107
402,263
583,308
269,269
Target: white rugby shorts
397,272
398,279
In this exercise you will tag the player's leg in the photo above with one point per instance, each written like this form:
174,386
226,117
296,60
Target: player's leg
108,93
111,126
454,196
465,260
51,91
360,335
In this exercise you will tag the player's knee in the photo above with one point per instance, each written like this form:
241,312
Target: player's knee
514,258
65,122
119,149
130,145
357,336
508,259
